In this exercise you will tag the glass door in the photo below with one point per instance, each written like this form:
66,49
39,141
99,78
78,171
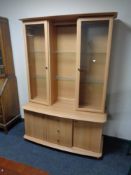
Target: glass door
2,67
93,47
37,53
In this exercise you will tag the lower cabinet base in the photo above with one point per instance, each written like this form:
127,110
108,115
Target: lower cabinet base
76,136
64,148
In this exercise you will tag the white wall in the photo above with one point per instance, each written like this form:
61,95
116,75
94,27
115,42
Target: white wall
119,95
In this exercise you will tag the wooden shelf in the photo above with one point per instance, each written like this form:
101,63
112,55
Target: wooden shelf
66,109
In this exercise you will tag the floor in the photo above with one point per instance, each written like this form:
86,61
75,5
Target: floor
114,161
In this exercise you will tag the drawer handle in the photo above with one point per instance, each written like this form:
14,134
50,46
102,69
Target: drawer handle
58,130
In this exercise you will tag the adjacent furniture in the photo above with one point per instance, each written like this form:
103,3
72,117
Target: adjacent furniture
9,167
67,65
9,103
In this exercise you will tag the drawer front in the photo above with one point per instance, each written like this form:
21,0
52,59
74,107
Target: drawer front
59,131
87,136
35,125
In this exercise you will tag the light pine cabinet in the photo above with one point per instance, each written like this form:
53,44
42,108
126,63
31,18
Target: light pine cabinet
67,66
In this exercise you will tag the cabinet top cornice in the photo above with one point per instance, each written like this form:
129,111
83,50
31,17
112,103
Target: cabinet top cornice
71,17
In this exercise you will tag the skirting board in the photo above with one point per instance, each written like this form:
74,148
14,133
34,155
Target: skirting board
63,148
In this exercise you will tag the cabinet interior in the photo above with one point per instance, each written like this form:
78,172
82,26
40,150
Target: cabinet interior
64,50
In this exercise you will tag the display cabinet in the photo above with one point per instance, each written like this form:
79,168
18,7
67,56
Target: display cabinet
67,65
9,103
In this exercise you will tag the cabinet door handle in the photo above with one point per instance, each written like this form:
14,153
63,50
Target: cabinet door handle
46,67
81,70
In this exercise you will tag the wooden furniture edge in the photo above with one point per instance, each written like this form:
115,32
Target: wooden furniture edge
71,16
64,148
4,84
67,115
8,123
3,18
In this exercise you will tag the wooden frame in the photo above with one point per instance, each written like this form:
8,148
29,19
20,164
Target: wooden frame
79,22
47,59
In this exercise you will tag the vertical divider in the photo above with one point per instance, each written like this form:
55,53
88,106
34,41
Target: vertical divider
107,61
53,62
78,54
47,66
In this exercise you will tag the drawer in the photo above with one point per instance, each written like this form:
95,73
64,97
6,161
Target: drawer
35,125
87,136
59,131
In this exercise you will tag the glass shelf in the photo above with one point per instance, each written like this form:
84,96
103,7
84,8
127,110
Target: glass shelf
65,52
37,52
39,77
68,56
63,78
93,59
92,82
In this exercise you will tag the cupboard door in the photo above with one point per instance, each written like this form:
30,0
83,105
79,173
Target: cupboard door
35,125
37,49
59,131
93,52
87,136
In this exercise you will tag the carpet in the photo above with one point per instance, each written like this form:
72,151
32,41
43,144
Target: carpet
8,167
115,160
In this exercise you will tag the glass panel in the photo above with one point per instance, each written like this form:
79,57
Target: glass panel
37,61
2,71
92,65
